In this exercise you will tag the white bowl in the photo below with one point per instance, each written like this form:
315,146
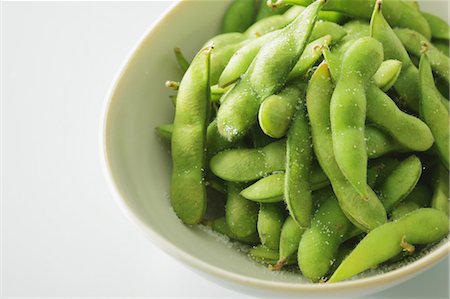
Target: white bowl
138,166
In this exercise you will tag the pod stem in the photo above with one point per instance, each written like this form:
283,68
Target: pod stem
173,85
280,264
424,47
274,5
407,246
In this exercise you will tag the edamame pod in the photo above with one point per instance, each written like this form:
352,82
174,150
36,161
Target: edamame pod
241,214
297,186
276,112
433,111
415,43
273,23
268,256
220,225
422,226
323,28
312,53
188,193
291,233
348,110
270,221
239,16
244,165
400,182
439,27
441,190
319,244
266,75
214,141
271,188
407,84
242,59
403,209
409,131
409,17
387,74
364,213
378,143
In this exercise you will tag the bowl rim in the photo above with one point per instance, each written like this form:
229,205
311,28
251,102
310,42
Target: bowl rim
391,277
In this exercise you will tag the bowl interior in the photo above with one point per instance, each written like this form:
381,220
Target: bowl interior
139,162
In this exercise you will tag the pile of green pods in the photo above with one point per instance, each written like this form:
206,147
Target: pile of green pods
316,133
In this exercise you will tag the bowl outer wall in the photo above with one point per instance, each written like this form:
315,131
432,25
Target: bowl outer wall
138,167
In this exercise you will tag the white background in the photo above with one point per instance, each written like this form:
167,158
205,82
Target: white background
62,234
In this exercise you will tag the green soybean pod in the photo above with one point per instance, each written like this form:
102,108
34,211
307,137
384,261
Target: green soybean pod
267,190
220,59
266,75
365,213
241,214
407,84
226,39
271,188
323,28
291,233
297,186
403,209
310,56
433,112
439,27
400,182
188,193
441,190
244,165
409,131
422,226
244,56
378,143
214,141
348,110
319,244
267,256
239,16
220,226
409,17
270,221
273,23
387,74
277,111
415,43
354,30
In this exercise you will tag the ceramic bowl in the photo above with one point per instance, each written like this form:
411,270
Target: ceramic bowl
137,164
